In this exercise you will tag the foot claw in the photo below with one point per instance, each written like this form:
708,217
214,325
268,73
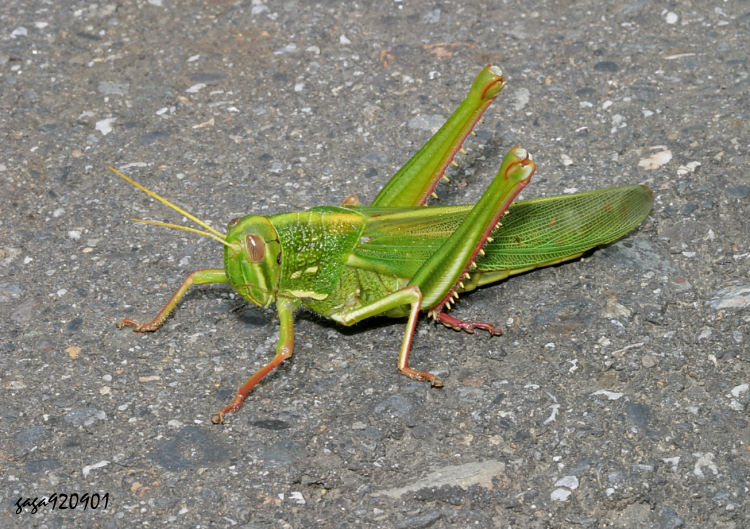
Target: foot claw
218,417
422,376
139,327
467,326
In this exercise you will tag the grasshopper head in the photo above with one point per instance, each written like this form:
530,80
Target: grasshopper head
252,259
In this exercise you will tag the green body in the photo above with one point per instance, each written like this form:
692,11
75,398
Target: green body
339,258
398,257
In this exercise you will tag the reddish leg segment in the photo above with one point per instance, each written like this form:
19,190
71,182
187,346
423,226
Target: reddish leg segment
468,326
284,349
411,296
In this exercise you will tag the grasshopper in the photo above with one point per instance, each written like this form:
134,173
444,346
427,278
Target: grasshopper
398,258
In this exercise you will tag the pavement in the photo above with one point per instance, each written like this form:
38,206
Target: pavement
618,395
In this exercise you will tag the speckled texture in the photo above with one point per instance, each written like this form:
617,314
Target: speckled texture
618,396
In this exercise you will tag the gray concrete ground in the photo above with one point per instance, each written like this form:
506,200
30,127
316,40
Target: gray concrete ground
618,396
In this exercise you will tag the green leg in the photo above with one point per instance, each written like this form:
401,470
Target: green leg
406,296
199,277
415,181
435,283
284,349
440,276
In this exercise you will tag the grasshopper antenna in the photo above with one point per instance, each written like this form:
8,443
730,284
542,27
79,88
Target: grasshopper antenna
215,234
186,228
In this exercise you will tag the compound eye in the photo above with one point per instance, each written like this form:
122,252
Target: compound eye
256,248
233,222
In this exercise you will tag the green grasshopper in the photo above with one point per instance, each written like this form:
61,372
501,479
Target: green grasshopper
397,257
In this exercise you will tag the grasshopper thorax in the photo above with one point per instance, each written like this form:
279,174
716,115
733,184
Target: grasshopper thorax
252,259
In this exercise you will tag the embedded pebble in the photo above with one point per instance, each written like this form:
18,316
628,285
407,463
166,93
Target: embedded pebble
479,473
641,255
560,494
649,361
735,297
570,482
111,88
520,98
7,254
297,497
9,291
84,416
420,521
704,460
197,87
611,395
431,17
23,312
105,125
656,160
86,470
289,48
36,466
668,518
32,435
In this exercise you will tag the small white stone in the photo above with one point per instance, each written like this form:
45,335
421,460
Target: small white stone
704,460
88,468
289,48
688,168
560,495
105,125
567,481
611,395
656,160
196,88
297,497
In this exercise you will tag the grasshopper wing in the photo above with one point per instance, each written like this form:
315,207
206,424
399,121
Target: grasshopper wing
545,231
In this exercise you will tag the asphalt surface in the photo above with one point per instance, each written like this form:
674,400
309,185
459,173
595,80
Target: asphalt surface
618,395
